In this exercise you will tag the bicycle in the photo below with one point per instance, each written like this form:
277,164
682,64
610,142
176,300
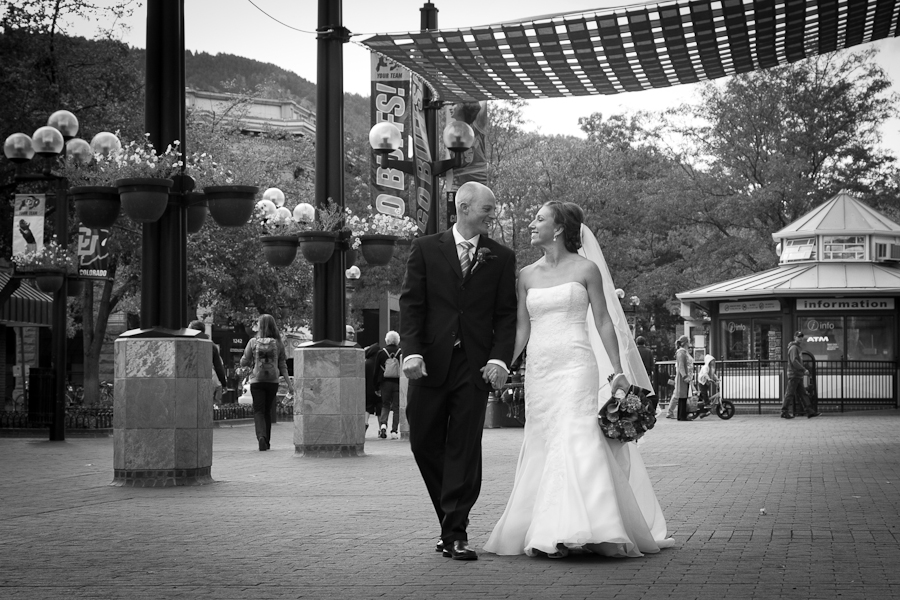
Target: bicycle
724,409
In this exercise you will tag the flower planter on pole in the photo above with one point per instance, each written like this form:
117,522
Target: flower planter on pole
144,199
97,207
317,246
49,280
280,250
378,250
231,205
197,210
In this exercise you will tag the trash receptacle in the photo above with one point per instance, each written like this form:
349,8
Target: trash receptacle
41,390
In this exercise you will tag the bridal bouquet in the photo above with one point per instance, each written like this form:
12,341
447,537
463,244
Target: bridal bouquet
627,416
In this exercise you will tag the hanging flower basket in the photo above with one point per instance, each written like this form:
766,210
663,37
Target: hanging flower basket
231,205
317,246
48,279
74,286
144,199
97,207
378,250
197,210
280,250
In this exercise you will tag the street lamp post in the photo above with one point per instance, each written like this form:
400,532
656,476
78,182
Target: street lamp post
49,142
385,138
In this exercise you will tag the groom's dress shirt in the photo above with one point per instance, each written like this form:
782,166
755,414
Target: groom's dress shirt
459,239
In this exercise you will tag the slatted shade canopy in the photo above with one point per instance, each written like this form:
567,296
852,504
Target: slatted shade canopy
628,49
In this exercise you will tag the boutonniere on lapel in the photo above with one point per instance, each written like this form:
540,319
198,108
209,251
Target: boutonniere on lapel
482,256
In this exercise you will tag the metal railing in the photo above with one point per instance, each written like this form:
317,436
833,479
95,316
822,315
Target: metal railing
758,385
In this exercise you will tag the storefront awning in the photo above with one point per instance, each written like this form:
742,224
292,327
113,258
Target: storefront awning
628,49
808,279
26,306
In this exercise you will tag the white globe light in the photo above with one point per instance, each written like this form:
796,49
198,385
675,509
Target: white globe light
283,212
65,122
275,196
47,141
304,213
353,272
385,137
79,151
267,206
620,293
458,136
106,143
18,148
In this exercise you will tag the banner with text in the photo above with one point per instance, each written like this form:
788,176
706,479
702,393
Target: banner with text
424,183
474,162
93,253
28,223
390,102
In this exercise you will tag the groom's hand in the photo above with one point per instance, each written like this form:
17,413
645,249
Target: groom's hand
414,368
493,374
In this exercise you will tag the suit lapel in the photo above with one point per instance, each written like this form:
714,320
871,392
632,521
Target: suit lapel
475,264
448,248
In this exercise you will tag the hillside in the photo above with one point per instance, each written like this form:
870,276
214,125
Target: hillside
231,73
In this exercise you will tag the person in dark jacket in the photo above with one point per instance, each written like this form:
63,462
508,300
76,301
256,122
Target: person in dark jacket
218,366
373,400
389,386
794,387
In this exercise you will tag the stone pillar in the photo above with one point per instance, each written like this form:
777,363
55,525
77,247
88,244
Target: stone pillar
162,424
329,401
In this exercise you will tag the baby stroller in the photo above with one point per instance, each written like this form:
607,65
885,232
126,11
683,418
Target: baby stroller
723,408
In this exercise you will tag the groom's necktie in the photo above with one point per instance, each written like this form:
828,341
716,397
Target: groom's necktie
464,261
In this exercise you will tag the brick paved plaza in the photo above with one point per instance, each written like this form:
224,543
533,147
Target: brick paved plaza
276,526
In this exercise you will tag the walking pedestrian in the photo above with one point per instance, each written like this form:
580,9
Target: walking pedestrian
266,355
217,365
794,388
373,399
684,375
387,382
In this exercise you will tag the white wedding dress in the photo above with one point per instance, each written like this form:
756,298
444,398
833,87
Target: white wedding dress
573,485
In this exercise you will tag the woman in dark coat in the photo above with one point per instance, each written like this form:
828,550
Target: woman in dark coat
373,400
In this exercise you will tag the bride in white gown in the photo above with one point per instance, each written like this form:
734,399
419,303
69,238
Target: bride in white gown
574,487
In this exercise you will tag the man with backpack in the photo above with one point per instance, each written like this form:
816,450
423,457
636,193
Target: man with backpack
387,383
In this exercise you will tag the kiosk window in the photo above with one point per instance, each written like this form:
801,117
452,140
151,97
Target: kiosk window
736,339
870,338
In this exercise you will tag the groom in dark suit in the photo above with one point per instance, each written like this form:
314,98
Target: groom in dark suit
457,331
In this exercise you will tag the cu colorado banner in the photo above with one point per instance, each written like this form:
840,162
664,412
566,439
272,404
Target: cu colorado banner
424,184
390,102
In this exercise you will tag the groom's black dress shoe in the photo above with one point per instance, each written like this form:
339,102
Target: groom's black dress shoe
459,550
439,547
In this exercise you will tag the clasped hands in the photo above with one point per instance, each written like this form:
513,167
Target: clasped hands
494,374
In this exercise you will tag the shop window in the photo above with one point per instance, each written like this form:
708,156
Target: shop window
799,249
870,338
824,336
844,247
767,339
736,339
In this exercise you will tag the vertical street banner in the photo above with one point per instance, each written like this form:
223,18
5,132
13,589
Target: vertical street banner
390,102
93,253
28,223
424,183
474,162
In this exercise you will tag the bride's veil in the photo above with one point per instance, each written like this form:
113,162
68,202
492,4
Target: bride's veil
632,364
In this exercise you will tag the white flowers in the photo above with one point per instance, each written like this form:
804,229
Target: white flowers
380,224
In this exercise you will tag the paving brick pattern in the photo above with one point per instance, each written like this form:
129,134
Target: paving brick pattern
277,526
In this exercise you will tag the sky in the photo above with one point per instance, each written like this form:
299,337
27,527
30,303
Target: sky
240,27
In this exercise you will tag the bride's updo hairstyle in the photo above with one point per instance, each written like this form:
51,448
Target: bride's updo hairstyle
570,216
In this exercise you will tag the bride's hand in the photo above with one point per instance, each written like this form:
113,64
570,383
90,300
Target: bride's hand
618,381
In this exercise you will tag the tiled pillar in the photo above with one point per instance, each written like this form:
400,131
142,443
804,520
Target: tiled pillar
162,424
329,402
